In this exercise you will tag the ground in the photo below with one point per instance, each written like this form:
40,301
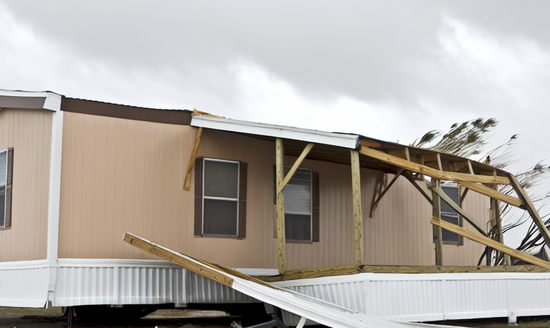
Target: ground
52,318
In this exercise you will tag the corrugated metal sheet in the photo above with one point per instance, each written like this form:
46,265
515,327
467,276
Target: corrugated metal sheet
88,281
428,297
24,284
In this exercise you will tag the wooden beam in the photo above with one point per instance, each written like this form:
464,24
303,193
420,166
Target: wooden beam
197,268
437,233
409,177
357,212
491,193
192,158
295,167
370,144
439,164
407,154
279,167
434,173
457,208
530,208
491,243
374,204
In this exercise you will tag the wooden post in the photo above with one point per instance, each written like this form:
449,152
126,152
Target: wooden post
357,213
437,233
279,167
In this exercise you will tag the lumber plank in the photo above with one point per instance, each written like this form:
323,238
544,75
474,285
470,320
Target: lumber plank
457,208
491,193
279,167
422,269
434,173
379,198
295,167
357,211
530,208
491,243
199,269
192,158
437,233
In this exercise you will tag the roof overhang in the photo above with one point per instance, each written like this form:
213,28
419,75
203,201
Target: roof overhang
30,100
350,141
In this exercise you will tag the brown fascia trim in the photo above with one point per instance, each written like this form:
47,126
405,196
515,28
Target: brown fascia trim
82,106
22,102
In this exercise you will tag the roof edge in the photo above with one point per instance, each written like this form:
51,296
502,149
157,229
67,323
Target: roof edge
350,141
19,99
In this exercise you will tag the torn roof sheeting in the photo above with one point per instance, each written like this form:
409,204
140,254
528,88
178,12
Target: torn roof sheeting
311,308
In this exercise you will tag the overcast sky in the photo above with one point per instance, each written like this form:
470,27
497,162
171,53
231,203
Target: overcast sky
386,69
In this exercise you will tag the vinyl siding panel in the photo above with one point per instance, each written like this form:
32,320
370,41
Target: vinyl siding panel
124,175
29,133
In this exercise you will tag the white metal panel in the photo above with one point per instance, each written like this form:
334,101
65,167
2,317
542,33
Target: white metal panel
117,282
202,290
428,297
24,283
89,281
277,131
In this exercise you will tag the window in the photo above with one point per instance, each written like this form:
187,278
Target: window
6,175
220,198
450,215
301,200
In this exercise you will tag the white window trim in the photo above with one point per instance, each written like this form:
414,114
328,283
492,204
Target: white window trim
3,226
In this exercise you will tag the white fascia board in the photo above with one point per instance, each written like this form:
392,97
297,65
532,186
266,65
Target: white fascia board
350,141
52,102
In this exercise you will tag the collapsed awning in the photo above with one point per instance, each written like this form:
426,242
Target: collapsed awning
307,307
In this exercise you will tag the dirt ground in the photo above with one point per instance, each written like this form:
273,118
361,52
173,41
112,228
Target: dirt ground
170,318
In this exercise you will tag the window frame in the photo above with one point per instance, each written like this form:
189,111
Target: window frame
460,221
8,187
200,197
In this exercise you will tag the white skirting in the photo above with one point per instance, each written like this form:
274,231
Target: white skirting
403,297
431,297
108,281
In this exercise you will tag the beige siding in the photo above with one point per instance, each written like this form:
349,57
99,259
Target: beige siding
401,234
123,175
29,133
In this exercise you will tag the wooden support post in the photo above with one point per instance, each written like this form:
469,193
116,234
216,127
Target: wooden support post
192,158
357,212
437,233
530,208
279,167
